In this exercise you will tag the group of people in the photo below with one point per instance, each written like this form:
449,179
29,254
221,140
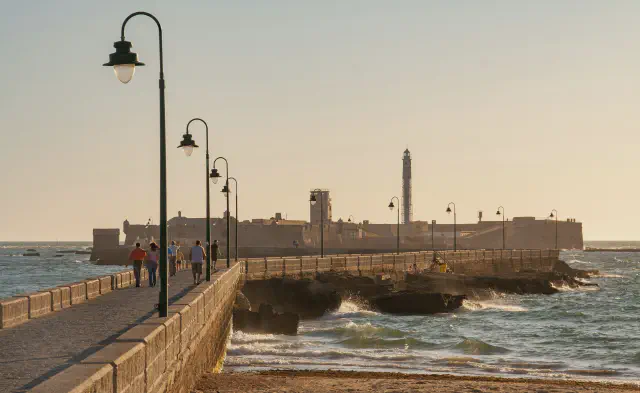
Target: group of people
149,258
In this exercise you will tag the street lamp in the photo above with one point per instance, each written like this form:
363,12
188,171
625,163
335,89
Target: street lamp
455,235
391,206
188,144
215,175
350,216
312,201
124,62
498,213
556,217
236,182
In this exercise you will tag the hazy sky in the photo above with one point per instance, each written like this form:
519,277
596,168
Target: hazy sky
529,105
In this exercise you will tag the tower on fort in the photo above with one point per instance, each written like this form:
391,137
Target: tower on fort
407,206
314,210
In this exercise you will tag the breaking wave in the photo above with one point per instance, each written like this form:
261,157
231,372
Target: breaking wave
472,305
472,346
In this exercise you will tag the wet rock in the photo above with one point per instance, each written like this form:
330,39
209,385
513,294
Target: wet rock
306,298
350,285
417,302
265,321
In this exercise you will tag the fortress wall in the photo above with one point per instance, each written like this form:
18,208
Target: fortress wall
161,354
470,262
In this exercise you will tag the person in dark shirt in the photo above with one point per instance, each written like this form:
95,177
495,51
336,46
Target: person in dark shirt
215,252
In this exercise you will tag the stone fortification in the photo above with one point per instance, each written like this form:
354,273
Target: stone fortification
160,354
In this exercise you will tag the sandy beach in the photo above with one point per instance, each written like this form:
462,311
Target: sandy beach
355,382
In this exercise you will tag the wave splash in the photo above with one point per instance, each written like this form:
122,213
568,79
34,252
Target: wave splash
471,305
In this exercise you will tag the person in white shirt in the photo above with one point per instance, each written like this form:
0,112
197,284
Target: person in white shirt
173,253
197,258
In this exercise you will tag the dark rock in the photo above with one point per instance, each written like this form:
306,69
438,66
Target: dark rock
417,302
563,268
265,321
306,298
350,285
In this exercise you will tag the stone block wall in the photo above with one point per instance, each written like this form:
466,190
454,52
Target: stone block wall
161,354
472,262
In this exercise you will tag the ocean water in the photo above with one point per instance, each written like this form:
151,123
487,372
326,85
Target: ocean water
575,334
20,274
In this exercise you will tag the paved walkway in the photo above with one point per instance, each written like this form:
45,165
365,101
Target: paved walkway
39,348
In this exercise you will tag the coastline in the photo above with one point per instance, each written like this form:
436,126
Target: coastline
356,381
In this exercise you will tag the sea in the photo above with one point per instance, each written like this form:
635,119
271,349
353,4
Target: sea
584,334
23,274
588,333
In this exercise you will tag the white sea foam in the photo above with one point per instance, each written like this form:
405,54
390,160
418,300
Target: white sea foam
566,288
483,305
607,275
350,309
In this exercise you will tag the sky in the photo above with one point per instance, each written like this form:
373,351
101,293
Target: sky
528,105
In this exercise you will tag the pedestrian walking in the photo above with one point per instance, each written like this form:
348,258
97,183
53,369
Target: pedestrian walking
215,253
173,254
137,255
152,263
197,257
179,259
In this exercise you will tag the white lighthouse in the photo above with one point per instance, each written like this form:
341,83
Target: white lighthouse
407,206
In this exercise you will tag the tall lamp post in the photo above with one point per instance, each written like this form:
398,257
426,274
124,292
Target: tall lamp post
188,144
215,175
391,206
556,217
312,201
124,63
499,213
236,237
455,233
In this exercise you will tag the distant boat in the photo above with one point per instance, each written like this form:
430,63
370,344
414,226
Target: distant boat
31,249
83,252
31,254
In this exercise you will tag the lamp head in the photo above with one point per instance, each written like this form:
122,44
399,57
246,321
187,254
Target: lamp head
391,205
225,189
123,61
215,175
498,212
188,144
551,215
448,209
313,199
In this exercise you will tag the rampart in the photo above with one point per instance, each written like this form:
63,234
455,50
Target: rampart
160,354
472,262
170,354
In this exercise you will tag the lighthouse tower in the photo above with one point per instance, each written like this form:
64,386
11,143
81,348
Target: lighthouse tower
407,206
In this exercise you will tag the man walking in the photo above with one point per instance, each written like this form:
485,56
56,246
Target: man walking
215,253
197,258
137,256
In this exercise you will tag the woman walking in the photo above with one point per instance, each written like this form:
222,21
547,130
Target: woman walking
152,263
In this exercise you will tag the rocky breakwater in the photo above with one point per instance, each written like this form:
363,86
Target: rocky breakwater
525,282
265,320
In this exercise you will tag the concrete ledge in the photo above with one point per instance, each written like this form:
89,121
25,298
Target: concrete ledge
154,338
39,303
92,289
78,292
187,322
56,303
80,378
13,312
128,361
65,296
105,284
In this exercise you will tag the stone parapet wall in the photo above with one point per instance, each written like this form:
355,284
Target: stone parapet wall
161,354
472,262
23,307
